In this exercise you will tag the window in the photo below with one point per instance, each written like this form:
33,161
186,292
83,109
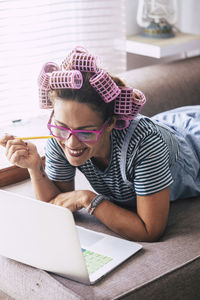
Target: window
34,32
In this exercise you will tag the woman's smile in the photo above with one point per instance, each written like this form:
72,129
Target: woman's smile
75,152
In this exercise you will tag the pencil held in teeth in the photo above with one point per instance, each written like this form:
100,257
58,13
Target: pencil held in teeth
35,137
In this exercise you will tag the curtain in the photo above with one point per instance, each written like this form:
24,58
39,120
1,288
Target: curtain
34,32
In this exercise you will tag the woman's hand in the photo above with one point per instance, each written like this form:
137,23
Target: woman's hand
20,153
74,200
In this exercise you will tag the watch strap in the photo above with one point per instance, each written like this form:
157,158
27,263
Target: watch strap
94,203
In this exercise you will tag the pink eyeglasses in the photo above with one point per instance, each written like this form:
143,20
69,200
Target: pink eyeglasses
87,136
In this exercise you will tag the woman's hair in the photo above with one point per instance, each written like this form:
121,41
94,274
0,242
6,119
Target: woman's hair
87,94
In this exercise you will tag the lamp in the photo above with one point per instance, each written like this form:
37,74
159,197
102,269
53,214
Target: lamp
157,17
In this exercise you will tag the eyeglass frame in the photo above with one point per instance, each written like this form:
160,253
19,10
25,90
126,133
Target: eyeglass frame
74,132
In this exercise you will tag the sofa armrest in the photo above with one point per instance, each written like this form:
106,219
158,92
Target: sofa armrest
167,86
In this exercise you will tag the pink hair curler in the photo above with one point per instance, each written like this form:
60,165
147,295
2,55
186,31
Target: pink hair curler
44,101
66,80
47,69
139,100
80,59
124,102
66,62
105,86
44,84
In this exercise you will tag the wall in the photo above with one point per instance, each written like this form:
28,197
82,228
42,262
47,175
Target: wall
188,21
189,16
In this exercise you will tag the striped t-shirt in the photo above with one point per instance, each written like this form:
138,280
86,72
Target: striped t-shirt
147,165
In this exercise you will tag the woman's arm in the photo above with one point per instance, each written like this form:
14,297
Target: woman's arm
46,189
147,224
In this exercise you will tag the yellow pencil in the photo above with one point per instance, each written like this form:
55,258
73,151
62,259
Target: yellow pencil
35,137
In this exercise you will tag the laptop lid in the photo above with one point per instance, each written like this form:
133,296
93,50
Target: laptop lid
45,236
41,235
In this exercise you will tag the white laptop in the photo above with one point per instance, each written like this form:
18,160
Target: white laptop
45,236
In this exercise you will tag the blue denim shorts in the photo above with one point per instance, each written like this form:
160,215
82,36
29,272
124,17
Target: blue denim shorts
185,123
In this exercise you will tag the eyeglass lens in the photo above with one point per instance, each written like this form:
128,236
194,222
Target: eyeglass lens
65,133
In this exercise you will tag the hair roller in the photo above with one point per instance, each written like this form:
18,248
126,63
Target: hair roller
47,69
105,86
66,62
44,101
80,59
44,84
66,80
124,102
139,100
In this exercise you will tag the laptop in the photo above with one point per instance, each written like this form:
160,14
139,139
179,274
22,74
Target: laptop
45,236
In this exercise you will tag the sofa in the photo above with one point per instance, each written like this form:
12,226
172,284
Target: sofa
167,269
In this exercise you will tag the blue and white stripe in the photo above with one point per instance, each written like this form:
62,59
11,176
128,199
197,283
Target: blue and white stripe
147,165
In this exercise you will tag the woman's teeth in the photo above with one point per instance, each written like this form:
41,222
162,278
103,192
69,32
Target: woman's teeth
76,152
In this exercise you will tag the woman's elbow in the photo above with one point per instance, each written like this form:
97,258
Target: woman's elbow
150,236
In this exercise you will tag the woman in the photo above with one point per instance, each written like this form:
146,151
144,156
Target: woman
135,164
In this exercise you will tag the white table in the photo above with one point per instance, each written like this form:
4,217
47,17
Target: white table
158,48
25,187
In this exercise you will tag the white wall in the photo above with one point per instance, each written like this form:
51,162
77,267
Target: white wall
131,12
189,16
188,21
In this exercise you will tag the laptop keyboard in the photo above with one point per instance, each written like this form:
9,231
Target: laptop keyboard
94,261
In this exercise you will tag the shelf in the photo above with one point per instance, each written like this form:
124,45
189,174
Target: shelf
159,48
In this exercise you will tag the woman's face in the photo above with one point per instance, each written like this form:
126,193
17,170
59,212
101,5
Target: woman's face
80,116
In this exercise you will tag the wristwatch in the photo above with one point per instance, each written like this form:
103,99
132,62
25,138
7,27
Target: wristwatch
94,203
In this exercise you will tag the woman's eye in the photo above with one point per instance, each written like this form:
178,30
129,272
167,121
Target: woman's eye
86,134
60,132
64,132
